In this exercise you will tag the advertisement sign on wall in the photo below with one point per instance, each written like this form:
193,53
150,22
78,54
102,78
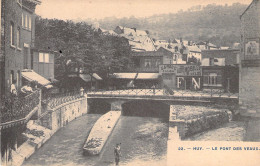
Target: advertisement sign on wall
181,70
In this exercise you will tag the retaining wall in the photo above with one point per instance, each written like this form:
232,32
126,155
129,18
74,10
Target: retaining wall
201,123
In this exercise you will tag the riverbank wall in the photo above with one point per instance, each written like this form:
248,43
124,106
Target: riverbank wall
190,120
100,132
40,131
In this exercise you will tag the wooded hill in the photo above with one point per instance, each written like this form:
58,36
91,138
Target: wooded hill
217,23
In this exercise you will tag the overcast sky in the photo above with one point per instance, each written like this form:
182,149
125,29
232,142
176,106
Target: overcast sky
83,9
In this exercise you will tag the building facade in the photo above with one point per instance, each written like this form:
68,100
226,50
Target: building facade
18,21
249,89
43,63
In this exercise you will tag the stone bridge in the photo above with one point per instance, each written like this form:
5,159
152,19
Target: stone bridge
118,99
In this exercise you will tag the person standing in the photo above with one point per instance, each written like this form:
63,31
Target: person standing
117,153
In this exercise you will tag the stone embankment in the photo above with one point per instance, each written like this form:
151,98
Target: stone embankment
190,120
100,133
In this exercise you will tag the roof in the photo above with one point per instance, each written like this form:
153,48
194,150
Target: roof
204,43
194,49
30,75
37,2
160,52
254,1
87,77
143,43
140,76
132,31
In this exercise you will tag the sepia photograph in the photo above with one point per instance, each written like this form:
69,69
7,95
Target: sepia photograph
130,82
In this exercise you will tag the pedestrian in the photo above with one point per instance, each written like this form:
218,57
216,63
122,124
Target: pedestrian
117,153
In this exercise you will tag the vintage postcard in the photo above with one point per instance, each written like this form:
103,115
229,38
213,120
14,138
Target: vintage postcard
130,82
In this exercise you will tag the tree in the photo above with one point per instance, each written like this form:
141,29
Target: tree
81,46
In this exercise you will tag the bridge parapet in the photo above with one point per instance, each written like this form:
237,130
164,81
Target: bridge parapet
161,94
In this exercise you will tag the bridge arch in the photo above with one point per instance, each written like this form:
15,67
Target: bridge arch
145,108
99,106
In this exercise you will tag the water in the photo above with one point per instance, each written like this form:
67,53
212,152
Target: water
143,141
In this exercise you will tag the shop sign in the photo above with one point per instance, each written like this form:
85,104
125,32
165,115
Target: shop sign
181,70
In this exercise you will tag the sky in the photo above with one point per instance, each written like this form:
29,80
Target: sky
98,9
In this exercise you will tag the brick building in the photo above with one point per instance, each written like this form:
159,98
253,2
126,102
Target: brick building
18,34
249,89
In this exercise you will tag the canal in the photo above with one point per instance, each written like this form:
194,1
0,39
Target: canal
143,135
143,141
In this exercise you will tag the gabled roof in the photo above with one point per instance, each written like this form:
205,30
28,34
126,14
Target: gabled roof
254,1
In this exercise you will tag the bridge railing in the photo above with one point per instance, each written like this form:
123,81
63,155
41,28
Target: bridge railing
17,108
56,99
162,92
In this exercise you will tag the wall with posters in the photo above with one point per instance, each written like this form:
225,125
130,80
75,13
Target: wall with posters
249,74
181,76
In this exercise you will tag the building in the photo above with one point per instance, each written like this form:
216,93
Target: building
18,35
43,63
139,40
249,89
206,46
17,41
194,55
220,69
226,57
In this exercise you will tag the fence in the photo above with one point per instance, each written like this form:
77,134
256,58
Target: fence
164,92
53,100
19,107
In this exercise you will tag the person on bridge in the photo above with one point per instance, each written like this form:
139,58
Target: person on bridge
117,153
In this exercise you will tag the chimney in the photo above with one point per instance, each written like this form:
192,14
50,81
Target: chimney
207,45
134,29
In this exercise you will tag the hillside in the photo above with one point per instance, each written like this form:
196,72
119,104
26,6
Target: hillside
216,23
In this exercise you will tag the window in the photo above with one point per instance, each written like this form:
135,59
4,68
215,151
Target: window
26,22
211,62
18,78
11,77
41,57
147,63
12,33
157,62
22,20
18,35
30,22
46,58
212,79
